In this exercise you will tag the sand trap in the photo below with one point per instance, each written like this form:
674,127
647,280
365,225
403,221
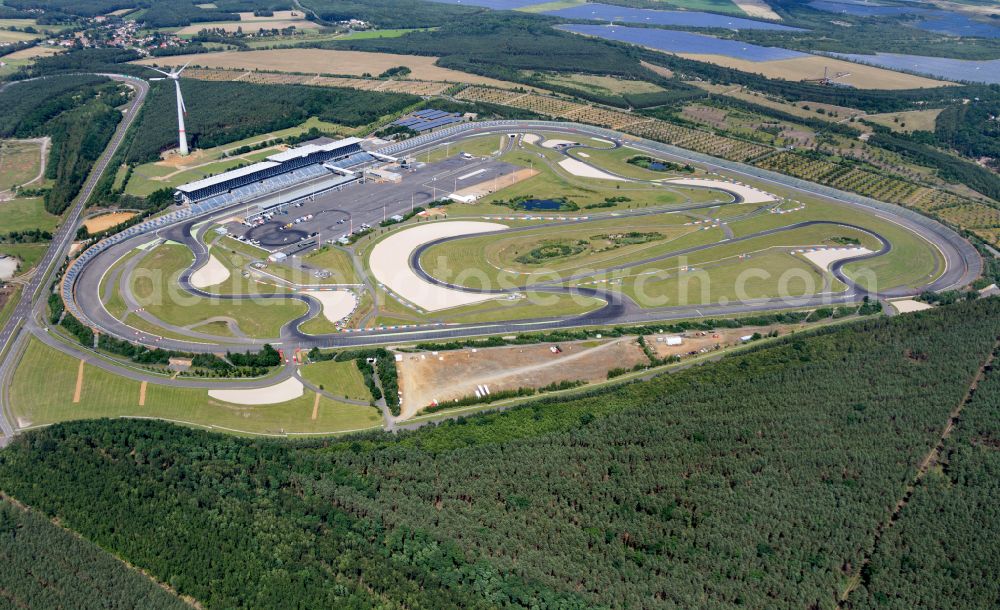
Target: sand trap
390,264
531,138
337,304
212,273
749,194
824,258
909,305
289,389
608,142
584,155
579,168
554,143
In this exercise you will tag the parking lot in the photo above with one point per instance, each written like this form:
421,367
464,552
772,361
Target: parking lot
330,216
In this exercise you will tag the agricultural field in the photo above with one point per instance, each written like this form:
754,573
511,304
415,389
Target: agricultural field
25,57
412,87
50,386
323,61
801,68
635,124
907,121
602,85
249,23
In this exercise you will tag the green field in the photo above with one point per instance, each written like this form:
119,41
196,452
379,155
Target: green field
755,268
912,261
22,214
45,381
20,163
329,258
615,160
479,146
534,305
337,378
496,255
9,36
154,285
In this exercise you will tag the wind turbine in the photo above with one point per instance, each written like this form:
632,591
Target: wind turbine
181,109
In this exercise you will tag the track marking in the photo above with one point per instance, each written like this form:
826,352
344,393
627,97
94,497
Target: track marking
315,407
79,384
142,394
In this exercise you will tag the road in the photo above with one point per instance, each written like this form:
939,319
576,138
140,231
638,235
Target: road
61,242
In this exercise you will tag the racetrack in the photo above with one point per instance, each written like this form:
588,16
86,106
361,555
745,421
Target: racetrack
961,262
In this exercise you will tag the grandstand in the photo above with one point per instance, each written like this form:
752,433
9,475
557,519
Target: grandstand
278,171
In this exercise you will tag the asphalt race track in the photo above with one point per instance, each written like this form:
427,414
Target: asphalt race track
962,262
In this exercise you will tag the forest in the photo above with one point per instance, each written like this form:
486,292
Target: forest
502,44
971,129
79,114
389,13
45,566
942,552
716,486
223,112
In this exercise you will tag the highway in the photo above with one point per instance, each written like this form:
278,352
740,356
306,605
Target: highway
10,334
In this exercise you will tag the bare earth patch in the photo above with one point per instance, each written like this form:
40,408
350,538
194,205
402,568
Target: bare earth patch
758,9
488,187
798,68
106,221
325,61
447,376
909,305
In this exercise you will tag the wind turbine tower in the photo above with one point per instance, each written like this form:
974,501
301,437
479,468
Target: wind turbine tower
181,109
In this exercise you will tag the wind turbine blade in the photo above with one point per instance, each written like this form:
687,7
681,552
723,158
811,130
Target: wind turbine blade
158,70
161,78
182,68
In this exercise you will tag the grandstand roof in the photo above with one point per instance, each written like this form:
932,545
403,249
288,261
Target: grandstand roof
308,149
233,173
